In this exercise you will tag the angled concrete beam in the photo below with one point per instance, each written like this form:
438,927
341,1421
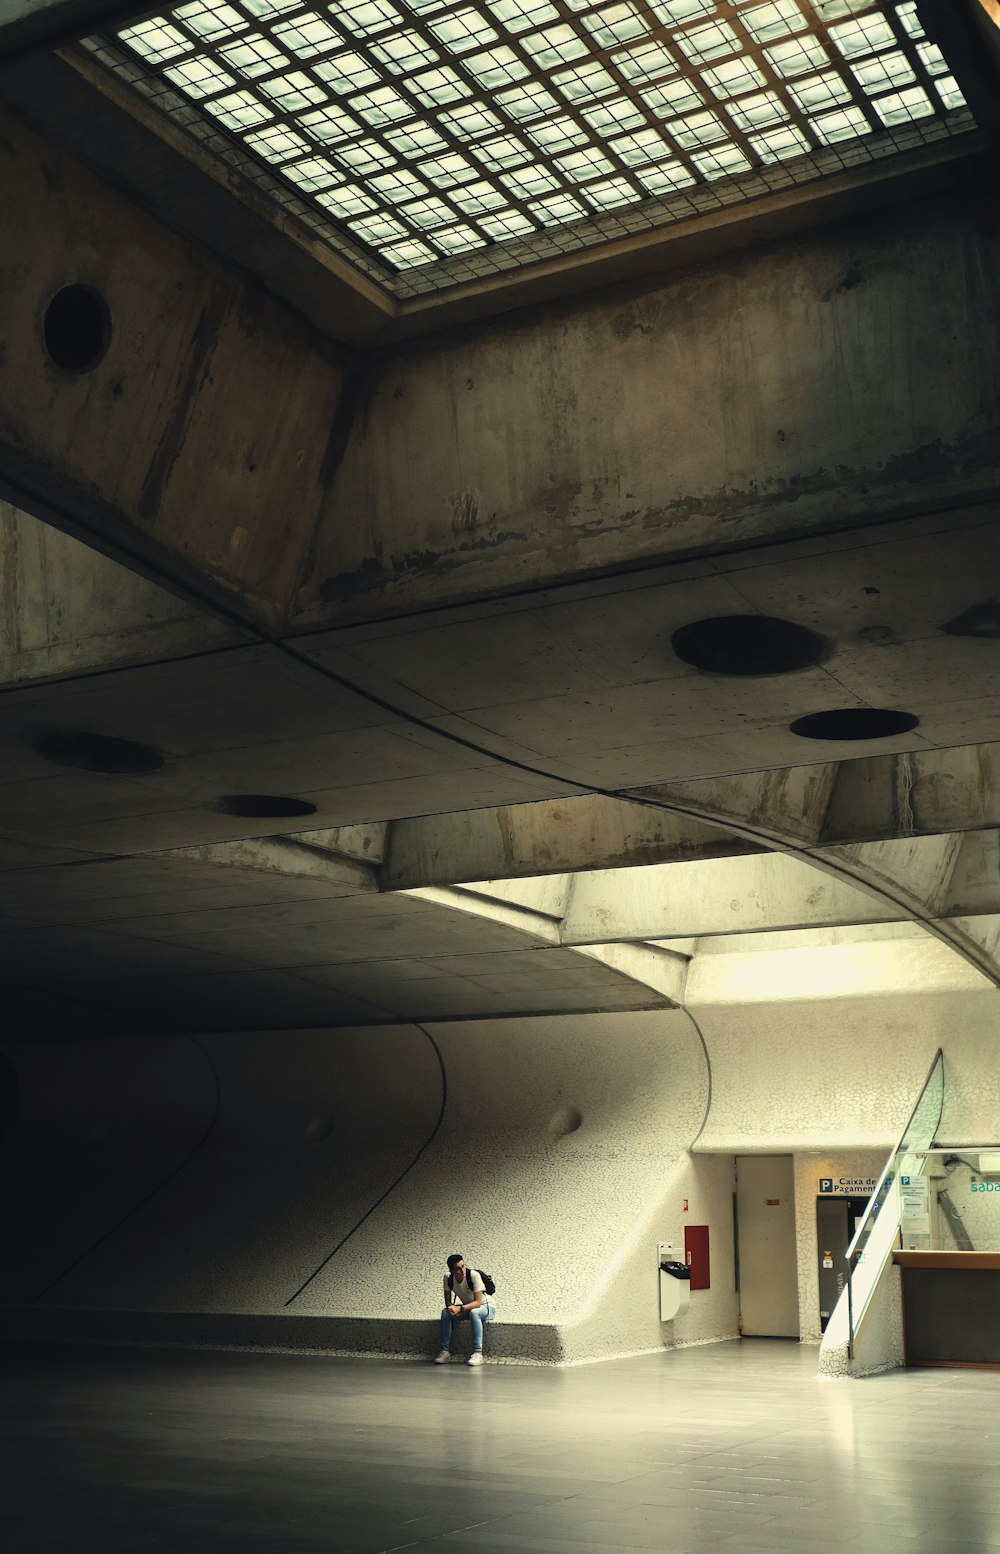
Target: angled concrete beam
286,856
195,448
551,837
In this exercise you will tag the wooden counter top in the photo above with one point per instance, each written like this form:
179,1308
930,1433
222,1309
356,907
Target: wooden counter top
956,1260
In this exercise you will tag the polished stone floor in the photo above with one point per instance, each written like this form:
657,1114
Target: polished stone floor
732,1447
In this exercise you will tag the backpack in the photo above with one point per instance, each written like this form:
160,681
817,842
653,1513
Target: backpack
489,1288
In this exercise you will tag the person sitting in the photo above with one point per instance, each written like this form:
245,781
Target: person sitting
465,1298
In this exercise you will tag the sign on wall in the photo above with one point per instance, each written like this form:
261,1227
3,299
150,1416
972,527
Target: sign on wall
849,1186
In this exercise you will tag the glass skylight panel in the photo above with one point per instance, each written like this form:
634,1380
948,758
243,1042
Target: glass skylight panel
733,78
365,18
818,92
506,224
403,52
844,124
428,213
525,181
308,36
883,71
314,173
521,15
457,240
671,97
664,177
471,121
612,194
346,72
199,77
578,166
904,107
775,19
557,210
463,30
239,111
554,46
777,145
277,143
584,82
329,124
155,41
645,146
527,102
347,199
419,135
611,117
614,24
505,151
554,135
761,110
384,106
796,57
701,44
496,67
435,88
648,62
416,139
210,20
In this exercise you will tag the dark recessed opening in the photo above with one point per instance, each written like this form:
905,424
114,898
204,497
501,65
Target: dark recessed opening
93,752
854,723
261,806
77,328
980,620
10,1097
747,645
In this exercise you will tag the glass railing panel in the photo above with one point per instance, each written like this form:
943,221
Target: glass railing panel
876,1233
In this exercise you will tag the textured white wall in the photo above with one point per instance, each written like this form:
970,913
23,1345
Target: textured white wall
844,1074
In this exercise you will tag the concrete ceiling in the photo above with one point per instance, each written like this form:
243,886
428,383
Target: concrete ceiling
430,596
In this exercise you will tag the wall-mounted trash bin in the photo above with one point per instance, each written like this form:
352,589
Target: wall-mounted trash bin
675,1285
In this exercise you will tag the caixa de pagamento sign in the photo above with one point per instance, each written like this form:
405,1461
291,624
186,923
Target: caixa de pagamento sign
849,1186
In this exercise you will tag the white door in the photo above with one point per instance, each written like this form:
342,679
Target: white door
765,1210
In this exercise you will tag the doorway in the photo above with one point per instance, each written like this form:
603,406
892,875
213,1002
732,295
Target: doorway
765,1245
836,1222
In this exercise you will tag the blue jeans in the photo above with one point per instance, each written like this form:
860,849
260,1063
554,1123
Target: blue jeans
485,1313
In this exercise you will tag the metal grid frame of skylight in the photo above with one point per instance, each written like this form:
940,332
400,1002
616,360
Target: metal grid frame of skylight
433,142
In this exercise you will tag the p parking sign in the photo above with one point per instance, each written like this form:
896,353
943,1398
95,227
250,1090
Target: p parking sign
826,1184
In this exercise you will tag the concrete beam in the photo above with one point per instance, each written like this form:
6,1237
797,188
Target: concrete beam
629,428
197,447
551,837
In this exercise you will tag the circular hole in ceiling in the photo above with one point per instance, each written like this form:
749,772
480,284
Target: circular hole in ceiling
747,645
261,806
566,1120
77,328
93,752
854,723
979,620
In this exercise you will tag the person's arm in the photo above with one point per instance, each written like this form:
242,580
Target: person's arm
451,1299
478,1291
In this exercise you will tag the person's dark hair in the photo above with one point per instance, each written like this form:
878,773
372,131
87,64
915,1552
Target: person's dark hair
456,1257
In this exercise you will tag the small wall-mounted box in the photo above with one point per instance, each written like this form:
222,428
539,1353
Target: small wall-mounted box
989,1162
675,1282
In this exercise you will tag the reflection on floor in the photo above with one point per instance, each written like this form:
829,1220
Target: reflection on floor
733,1447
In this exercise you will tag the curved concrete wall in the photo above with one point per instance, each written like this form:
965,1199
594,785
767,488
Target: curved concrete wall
184,1191
313,1130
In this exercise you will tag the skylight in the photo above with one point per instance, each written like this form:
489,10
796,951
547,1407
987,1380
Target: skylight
436,141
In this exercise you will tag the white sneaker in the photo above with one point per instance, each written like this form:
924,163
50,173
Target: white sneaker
442,1358
475,1358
